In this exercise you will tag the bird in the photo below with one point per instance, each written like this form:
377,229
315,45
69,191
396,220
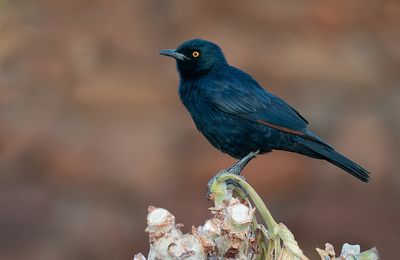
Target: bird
241,118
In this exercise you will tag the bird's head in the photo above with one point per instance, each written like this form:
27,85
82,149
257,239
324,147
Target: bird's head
196,58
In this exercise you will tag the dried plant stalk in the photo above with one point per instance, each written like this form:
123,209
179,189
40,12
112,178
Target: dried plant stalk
233,231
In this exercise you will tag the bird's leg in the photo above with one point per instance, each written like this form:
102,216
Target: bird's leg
238,167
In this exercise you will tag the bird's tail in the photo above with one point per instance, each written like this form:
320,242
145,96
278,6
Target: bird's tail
320,150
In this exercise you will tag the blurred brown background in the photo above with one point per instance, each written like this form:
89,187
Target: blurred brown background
92,130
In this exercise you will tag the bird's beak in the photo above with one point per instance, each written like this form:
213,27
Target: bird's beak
173,54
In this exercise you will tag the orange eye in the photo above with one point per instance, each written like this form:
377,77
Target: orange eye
195,54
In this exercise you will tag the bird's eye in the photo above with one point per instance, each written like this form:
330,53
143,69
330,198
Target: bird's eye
195,54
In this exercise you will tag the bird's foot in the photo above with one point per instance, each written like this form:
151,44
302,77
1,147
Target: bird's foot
236,169
230,184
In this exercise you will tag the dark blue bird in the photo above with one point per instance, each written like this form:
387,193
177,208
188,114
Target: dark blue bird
238,116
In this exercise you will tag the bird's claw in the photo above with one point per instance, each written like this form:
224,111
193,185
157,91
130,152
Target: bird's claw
236,169
231,183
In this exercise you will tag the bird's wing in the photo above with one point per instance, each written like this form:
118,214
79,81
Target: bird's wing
244,98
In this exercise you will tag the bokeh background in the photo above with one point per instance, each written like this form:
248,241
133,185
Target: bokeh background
92,130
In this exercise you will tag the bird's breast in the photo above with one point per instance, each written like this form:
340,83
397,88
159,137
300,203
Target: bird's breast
207,118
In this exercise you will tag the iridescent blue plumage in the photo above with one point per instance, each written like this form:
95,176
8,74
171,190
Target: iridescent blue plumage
237,115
